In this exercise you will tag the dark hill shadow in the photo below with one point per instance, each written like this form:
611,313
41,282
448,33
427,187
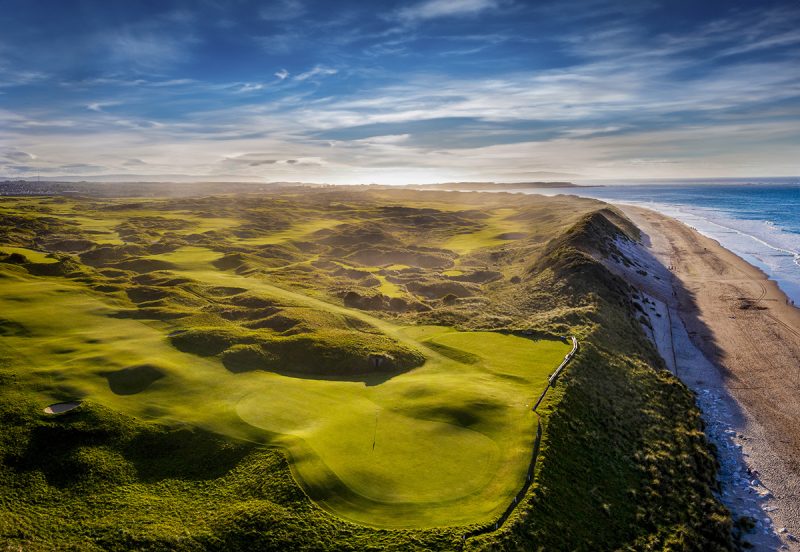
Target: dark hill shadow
97,446
369,379
133,380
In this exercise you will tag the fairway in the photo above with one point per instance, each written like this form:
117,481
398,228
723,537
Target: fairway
447,443
497,231
30,254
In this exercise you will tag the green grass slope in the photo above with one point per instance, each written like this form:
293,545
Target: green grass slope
239,438
354,435
93,479
625,463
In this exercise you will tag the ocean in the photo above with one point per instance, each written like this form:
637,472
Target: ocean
760,222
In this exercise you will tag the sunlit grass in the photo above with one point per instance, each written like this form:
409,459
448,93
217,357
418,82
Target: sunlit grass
490,235
461,428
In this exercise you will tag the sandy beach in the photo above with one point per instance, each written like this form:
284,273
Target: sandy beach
731,335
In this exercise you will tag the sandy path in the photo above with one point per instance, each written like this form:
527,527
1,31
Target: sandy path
743,325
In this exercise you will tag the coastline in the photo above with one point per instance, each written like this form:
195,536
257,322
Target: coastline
755,231
729,233
729,333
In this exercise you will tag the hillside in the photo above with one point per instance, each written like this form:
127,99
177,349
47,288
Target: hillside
304,368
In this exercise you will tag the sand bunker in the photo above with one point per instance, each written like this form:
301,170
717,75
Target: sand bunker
60,408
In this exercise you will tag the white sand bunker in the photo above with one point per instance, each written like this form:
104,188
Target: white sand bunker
59,408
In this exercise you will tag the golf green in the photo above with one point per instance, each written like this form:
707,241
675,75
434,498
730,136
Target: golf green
447,443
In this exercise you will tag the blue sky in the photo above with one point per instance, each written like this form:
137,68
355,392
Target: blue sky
393,92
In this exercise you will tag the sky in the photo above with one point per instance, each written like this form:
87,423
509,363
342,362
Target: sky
399,92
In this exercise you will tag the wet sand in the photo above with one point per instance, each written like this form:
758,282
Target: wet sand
748,379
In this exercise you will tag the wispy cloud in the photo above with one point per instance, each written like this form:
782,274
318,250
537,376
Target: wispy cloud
390,139
434,90
432,9
280,43
144,49
10,77
249,87
100,106
15,155
149,44
282,10
317,71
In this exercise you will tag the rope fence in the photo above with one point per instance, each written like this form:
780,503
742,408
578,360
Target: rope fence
535,453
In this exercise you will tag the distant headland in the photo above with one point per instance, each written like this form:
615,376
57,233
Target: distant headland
491,186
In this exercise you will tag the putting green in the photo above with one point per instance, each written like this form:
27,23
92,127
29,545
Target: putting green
447,443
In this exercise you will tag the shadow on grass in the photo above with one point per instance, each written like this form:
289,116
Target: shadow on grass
132,380
369,379
96,446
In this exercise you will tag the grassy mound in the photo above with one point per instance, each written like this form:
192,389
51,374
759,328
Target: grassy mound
437,290
93,479
380,256
207,341
477,276
328,352
341,352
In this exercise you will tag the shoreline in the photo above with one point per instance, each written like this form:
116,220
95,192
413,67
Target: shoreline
728,332
718,225
788,287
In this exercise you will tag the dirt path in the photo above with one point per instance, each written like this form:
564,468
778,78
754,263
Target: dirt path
743,325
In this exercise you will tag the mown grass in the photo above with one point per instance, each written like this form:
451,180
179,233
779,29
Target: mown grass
94,479
492,232
354,436
623,462
29,254
299,230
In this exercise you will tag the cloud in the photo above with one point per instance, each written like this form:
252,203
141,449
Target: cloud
611,96
79,168
387,139
144,49
267,159
126,82
100,106
249,87
318,71
134,163
9,78
431,9
150,44
16,155
280,43
250,159
304,162
282,10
